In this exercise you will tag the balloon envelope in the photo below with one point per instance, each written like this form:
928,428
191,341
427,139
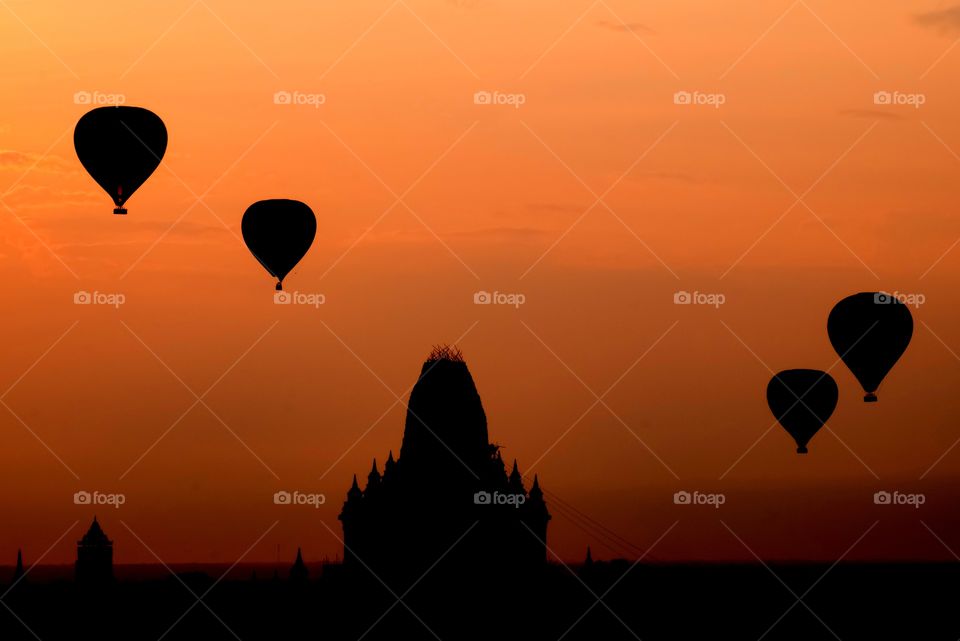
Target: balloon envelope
802,400
120,147
870,331
278,233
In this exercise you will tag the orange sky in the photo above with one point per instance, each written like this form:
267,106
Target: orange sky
492,197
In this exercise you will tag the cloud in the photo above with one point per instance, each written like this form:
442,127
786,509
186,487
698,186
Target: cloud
508,234
871,114
946,20
25,160
557,208
45,196
670,176
625,27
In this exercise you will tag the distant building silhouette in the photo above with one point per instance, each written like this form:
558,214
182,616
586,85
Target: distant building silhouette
18,573
299,573
448,480
94,556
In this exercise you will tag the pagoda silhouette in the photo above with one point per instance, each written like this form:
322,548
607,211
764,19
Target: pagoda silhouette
448,495
94,557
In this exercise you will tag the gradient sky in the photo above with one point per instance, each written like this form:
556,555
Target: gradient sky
597,199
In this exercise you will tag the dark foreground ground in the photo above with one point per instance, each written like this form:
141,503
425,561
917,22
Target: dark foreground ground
851,601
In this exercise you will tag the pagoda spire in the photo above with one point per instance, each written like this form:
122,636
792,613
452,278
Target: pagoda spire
19,573
373,478
516,481
354,494
299,573
390,467
536,494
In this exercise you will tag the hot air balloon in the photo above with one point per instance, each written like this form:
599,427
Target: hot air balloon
120,147
870,331
802,400
278,233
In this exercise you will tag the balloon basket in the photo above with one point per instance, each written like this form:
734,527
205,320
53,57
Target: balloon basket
120,211
870,398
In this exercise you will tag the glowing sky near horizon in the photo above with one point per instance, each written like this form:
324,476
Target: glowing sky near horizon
597,199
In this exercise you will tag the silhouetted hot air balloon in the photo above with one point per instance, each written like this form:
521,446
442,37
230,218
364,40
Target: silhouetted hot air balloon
870,331
120,147
278,234
802,400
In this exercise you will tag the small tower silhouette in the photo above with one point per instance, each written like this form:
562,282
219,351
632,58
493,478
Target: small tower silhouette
94,557
352,517
516,481
298,572
537,518
373,479
389,468
18,574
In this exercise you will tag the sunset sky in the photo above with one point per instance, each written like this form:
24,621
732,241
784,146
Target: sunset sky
597,199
